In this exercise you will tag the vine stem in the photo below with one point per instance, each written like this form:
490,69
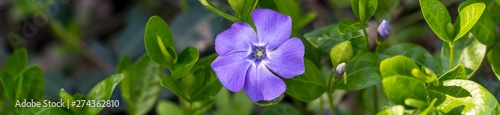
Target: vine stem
329,93
452,47
367,39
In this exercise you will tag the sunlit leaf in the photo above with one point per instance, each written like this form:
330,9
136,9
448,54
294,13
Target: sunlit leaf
397,65
398,88
217,10
362,72
456,73
456,93
417,53
349,25
437,17
468,17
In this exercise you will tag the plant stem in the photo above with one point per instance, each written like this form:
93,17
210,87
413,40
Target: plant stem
367,39
330,101
321,109
452,47
375,99
329,93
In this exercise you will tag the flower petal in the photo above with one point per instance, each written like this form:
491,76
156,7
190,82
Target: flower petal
287,60
238,37
231,70
261,84
273,28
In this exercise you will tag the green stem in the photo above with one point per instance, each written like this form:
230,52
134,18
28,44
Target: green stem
375,99
329,93
452,47
330,101
321,108
367,39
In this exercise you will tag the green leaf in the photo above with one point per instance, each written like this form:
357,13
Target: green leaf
237,104
398,88
455,73
243,8
16,62
417,53
166,107
218,11
292,8
140,87
468,52
468,18
174,86
393,110
65,96
327,37
186,61
31,84
455,93
364,9
349,25
159,42
437,17
206,61
484,30
280,109
202,85
308,86
493,59
102,91
341,53
397,65
362,72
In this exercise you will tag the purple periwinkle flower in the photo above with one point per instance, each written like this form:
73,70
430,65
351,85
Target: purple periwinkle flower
253,60
383,30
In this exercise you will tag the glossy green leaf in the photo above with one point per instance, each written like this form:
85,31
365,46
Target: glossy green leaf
468,18
341,53
186,61
31,84
65,96
140,87
484,30
468,52
437,17
393,110
398,88
455,93
174,86
397,65
206,61
327,37
166,107
202,85
308,86
362,72
280,109
159,42
364,9
456,73
218,11
243,8
16,62
417,53
493,55
349,25
102,91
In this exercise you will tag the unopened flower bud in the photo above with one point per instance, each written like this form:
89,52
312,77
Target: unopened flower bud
339,71
383,31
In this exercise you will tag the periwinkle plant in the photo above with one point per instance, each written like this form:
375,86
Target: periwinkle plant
253,61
